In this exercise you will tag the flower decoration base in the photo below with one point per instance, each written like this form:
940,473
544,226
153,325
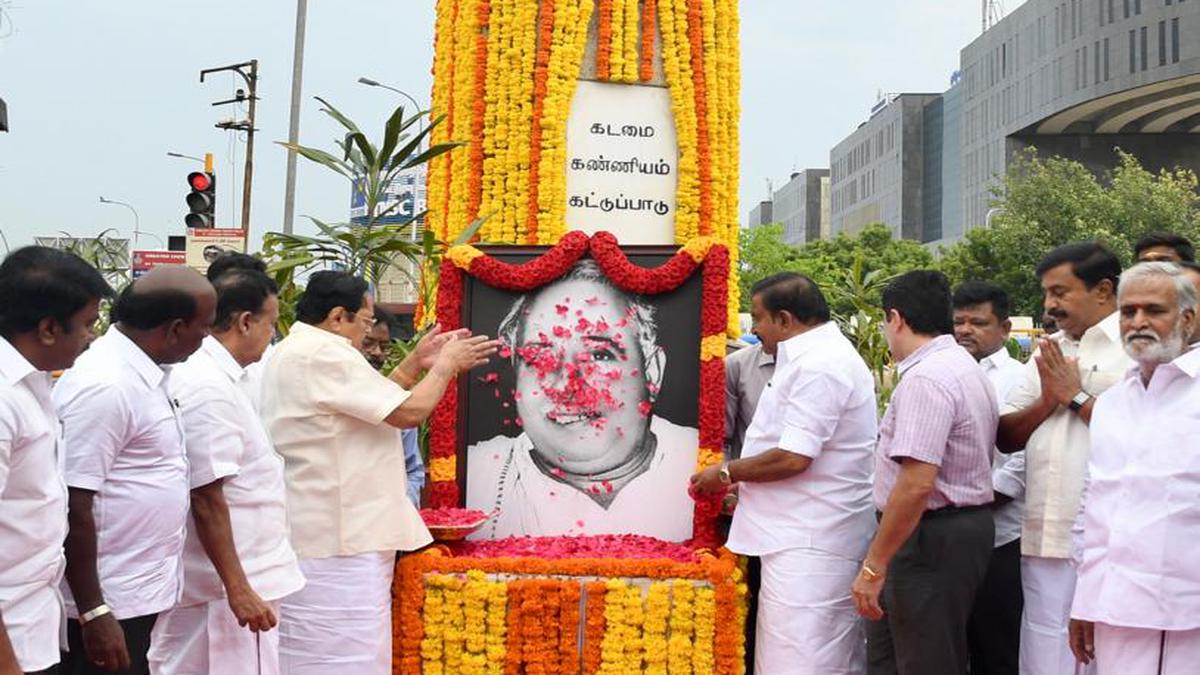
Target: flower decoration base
533,606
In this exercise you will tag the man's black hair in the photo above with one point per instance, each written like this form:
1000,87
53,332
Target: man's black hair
232,260
971,293
1189,265
795,293
37,282
1178,242
922,297
241,290
1090,261
326,291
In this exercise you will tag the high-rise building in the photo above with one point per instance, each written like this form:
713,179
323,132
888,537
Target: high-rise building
877,173
1075,78
799,205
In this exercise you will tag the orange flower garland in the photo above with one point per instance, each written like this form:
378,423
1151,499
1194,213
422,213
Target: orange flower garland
541,75
646,65
604,32
516,634
594,626
568,623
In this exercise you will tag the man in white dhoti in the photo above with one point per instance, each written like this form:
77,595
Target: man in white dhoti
237,561
1136,608
49,304
333,418
1047,414
804,484
593,458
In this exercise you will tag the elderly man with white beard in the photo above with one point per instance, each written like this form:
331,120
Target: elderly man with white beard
1137,600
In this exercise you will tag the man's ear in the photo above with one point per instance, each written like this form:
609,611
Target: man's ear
48,331
1006,326
656,365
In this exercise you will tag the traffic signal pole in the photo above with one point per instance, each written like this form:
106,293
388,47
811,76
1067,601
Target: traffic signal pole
249,72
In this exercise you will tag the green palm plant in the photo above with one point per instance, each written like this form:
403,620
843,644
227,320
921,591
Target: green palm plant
371,247
863,325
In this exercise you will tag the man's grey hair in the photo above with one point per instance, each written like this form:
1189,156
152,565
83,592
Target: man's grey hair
641,314
1185,290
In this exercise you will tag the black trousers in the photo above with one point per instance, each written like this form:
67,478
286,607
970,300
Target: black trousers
994,629
753,581
927,597
137,641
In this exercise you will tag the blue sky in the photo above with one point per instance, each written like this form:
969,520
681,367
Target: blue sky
99,92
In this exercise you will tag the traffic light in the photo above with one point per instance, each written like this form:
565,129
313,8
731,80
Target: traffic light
202,200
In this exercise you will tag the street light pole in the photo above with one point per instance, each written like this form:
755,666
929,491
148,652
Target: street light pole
289,189
137,230
251,79
183,156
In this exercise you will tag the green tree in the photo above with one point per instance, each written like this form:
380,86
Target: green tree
1047,202
761,253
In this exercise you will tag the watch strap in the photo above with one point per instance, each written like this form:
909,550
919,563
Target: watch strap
94,613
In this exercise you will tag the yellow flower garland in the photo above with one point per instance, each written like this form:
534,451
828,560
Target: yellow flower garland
616,630
705,630
654,630
679,645
497,627
501,98
432,654
634,617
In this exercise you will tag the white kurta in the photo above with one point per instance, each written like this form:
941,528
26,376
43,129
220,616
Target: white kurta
1131,651
1055,463
1141,512
124,440
811,530
33,513
226,441
502,475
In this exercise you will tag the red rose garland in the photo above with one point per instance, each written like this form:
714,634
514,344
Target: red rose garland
631,278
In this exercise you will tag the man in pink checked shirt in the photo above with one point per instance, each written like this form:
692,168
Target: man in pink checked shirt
933,489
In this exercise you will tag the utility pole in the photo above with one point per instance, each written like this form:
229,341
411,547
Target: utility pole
289,189
249,72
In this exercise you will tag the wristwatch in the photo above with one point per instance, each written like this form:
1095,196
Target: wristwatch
723,474
1079,401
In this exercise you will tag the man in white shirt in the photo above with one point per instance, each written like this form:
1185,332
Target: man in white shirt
804,482
232,260
1047,415
126,470
1191,270
49,304
594,457
981,326
237,561
333,419
1137,607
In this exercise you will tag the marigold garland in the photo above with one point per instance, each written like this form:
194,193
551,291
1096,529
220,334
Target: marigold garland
703,659
654,630
617,631
604,33
649,28
682,624
432,654
629,43
568,641
594,626
632,278
497,626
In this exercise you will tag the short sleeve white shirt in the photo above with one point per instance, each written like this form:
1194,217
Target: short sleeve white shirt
1008,471
820,403
324,407
1057,451
1141,511
124,441
226,441
33,512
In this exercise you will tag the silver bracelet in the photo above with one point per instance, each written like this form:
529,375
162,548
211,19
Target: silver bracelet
94,613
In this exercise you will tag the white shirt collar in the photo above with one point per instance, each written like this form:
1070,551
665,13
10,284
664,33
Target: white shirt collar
798,345
14,367
996,359
1109,329
224,360
320,333
152,373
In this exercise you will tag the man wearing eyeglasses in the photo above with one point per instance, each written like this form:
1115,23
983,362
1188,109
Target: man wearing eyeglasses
332,417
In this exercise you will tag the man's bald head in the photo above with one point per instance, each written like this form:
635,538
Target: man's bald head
167,312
